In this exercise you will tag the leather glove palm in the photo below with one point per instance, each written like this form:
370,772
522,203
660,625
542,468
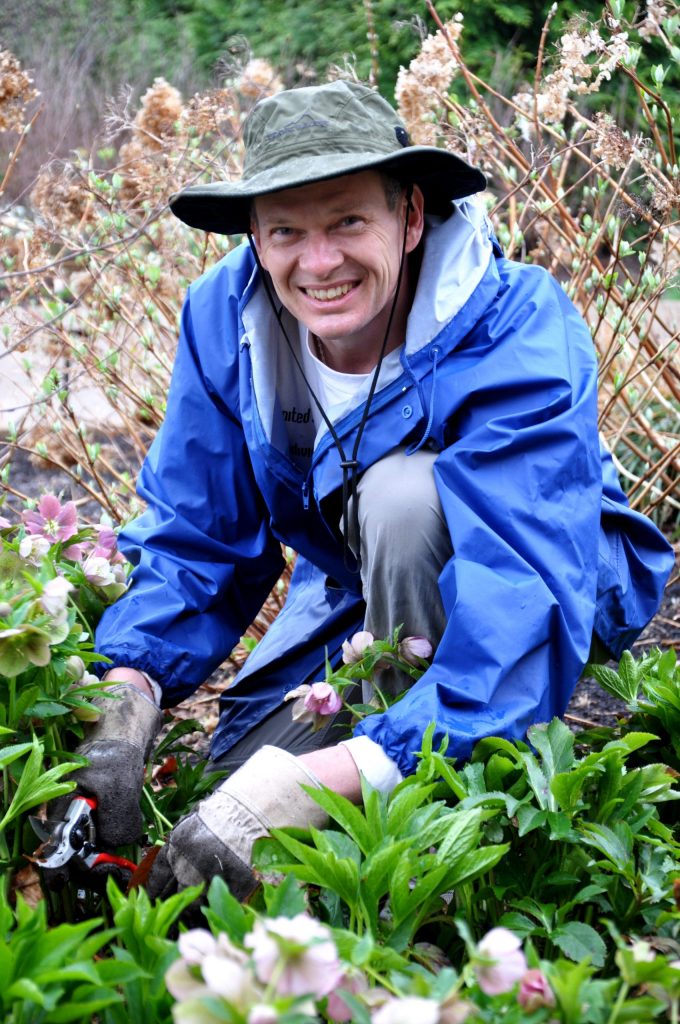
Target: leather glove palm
217,837
117,748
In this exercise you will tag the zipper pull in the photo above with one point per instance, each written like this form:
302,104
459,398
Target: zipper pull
305,496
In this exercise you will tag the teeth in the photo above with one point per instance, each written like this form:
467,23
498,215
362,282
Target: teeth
329,293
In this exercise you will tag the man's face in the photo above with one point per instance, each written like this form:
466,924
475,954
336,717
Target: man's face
332,249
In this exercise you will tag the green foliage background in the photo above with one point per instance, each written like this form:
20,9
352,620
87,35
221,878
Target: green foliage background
180,39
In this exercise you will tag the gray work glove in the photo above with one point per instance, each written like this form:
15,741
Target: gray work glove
117,746
217,837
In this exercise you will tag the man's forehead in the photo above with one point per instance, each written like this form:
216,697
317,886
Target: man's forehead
336,192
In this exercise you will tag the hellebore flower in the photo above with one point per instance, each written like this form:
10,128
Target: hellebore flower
98,571
322,699
507,962
34,549
407,1010
54,597
337,1009
51,519
262,1014
304,947
534,991
412,648
353,650
314,703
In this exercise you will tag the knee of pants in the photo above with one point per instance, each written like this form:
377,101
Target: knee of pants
399,509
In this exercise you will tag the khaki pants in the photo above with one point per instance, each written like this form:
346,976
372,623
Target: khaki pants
405,543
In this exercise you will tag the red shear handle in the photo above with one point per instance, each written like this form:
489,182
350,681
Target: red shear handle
111,858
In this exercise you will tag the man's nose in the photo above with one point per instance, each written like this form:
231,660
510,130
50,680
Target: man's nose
320,255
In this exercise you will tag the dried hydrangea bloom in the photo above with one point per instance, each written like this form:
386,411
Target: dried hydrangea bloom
212,111
585,60
62,197
258,79
610,144
16,91
161,109
420,88
655,15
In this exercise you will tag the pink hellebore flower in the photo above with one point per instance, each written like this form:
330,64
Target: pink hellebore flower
508,965
313,703
304,947
337,1009
353,650
534,991
322,699
413,648
51,519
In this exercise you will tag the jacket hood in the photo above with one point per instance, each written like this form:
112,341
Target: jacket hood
455,258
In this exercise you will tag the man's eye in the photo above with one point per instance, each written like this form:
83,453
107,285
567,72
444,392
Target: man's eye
282,232
348,222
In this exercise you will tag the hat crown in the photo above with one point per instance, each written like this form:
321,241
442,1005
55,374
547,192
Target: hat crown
341,117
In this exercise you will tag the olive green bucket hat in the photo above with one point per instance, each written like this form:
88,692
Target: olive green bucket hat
305,135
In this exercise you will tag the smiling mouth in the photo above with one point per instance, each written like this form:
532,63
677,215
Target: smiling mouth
327,294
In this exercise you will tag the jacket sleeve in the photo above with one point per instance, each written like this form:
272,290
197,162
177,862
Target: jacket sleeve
204,555
520,486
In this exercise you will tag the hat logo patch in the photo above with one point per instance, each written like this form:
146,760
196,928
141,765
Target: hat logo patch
303,123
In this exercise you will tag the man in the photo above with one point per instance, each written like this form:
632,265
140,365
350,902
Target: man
370,382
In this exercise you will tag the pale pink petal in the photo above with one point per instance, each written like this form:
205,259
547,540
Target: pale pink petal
509,963
413,648
534,991
322,699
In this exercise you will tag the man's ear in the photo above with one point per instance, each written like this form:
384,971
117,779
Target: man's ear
416,219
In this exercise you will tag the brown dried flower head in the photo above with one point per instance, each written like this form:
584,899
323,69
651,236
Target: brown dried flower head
209,112
161,109
610,144
258,79
62,197
16,91
655,15
584,60
421,87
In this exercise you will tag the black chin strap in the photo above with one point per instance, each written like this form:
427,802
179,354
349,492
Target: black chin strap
349,466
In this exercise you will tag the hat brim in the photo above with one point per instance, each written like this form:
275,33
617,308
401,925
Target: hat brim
224,207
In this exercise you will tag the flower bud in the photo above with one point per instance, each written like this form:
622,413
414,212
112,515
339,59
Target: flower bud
534,991
412,648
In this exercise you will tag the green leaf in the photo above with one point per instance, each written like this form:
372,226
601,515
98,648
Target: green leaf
286,899
579,941
555,743
346,814
36,785
461,836
225,913
11,753
475,863
616,844
518,923
529,818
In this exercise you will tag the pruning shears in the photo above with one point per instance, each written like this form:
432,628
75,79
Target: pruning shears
74,837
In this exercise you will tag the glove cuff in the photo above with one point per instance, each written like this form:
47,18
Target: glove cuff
129,716
263,794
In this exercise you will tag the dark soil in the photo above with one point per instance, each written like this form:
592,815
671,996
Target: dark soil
590,704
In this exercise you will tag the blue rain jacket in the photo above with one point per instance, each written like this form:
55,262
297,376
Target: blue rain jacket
499,377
